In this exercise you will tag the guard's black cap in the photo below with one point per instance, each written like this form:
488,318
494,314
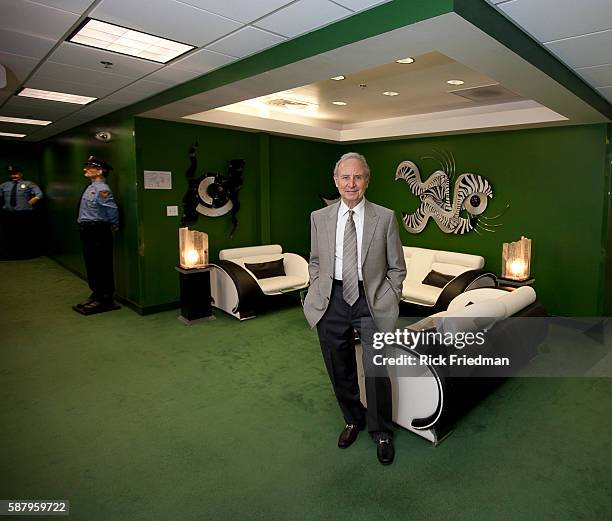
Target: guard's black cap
14,168
98,163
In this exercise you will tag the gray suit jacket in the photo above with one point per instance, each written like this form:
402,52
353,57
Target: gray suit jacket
382,263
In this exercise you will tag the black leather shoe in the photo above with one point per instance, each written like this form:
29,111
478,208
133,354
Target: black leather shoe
85,303
348,435
385,451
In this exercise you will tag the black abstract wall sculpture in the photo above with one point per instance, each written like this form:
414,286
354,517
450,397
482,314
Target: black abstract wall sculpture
212,194
218,193
190,199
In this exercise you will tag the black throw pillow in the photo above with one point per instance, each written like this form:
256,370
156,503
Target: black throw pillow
437,279
265,270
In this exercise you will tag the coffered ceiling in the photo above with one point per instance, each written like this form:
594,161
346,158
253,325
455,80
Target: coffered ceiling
466,42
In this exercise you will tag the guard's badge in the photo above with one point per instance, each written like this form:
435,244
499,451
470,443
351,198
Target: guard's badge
23,186
104,193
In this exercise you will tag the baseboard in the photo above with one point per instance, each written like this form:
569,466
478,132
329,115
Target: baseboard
141,310
148,310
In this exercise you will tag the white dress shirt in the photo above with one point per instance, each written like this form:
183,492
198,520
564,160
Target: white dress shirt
358,216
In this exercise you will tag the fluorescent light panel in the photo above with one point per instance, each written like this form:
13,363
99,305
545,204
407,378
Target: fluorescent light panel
110,37
10,134
55,96
23,121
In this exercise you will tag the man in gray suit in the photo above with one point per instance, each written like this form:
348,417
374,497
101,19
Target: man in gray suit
356,273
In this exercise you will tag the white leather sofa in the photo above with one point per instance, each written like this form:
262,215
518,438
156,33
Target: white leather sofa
428,399
236,289
463,270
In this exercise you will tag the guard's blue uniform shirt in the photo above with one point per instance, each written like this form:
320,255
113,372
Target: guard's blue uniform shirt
25,191
98,204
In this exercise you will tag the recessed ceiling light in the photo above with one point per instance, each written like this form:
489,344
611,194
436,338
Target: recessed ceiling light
390,93
405,60
10,134
55,96
110,37
338,78
455,82
339,103
24,121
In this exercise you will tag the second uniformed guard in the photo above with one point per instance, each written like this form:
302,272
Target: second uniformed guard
98,219
17,199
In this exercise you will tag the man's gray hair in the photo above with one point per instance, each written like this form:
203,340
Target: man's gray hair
353,155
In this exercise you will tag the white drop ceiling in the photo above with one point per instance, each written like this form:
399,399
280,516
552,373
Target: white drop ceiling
35,54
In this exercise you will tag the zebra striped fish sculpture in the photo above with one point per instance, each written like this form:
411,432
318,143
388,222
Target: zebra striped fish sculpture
471,193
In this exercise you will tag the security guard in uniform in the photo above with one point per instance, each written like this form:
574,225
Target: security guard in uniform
18,198
98,219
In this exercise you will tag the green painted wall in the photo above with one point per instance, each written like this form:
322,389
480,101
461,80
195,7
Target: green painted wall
554,179
26,155
300,171
281,180
163,145
62,176
608,230
555,182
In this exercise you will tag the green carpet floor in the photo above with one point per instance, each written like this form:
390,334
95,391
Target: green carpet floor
142,418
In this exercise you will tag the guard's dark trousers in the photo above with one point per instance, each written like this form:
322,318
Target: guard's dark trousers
337,339
20,237
97,244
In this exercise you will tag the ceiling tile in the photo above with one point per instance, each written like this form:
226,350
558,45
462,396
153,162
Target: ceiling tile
303,16
203,61
101,108
59,84
146,87
90,58
239,9
16,128
245,42
74,6
554,19
24,44
360,5
606,92
38,109
27,17
600,76
173,75
17,67
137,91
187,24
584,51
52,71
125,98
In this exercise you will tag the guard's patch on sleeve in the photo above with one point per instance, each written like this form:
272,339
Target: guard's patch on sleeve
104,193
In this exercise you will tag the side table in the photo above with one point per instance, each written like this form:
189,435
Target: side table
509,283
195,295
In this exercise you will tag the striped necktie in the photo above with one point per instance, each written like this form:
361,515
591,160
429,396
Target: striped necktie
350,277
